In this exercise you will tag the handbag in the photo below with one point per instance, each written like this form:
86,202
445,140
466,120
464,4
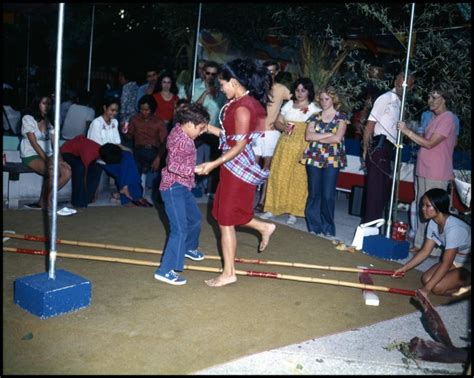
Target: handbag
366,229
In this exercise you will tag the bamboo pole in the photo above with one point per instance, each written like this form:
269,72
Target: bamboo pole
250,273
383,272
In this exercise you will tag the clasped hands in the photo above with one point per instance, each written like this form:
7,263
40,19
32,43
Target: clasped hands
204,168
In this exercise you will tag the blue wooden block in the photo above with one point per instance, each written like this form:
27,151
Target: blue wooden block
45,297
389,249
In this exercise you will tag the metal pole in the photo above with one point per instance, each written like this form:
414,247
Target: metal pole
57,103
396,171
27,61
90,50
196,50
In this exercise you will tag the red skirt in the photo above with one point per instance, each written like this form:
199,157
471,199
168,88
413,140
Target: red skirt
234,199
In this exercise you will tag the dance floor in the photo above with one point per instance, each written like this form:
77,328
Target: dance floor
137,325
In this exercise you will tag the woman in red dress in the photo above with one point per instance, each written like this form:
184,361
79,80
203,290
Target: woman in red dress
246,84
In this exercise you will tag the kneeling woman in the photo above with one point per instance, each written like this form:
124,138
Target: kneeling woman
454,235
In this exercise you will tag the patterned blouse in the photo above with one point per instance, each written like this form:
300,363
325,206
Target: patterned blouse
323,155
181,160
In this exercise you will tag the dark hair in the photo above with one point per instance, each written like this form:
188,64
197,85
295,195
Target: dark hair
84,98
439,198
34,111
443,91
269,63
110,153
111,100
150,100
128,73
307,84
173,89
194,113
151,69
251,75
212,64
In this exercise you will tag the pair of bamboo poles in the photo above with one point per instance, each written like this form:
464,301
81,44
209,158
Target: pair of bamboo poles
251,273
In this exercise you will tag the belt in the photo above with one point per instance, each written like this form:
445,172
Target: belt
376,140
146,146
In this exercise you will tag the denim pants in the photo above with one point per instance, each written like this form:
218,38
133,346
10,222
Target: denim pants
83,187
185,227
144,158
321,202
126,174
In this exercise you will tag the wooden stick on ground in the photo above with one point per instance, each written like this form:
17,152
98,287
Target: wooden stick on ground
250,273
209,257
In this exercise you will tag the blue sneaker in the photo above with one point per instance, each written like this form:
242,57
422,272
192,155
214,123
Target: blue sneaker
195,255
171,278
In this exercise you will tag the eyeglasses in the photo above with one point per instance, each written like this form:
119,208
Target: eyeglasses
166,82
211,73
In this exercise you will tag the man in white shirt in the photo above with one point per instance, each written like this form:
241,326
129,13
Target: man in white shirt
380,134
78,118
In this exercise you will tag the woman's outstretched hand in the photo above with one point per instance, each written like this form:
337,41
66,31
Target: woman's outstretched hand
399,273
204,168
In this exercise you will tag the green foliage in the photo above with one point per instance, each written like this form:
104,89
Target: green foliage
442,49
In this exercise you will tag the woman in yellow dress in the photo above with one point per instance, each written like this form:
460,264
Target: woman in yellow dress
287,188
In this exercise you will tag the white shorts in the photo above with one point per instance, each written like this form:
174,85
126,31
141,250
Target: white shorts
265,145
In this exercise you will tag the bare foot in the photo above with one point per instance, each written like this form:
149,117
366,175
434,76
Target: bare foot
269,230
125,192
221,281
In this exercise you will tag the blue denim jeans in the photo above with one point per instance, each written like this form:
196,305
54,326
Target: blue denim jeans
185,227
321,202
126,174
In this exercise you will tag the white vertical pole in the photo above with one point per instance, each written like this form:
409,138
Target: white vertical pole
57,103
196,50
90,50
396,171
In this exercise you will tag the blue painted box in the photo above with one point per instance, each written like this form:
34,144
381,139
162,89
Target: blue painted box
45,297
389,249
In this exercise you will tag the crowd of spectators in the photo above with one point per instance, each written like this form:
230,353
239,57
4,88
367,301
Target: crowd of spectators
301,148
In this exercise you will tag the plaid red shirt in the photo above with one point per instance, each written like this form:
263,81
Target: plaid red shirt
181,160
244,165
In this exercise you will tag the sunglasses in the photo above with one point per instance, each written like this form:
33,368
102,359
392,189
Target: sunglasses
211,73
